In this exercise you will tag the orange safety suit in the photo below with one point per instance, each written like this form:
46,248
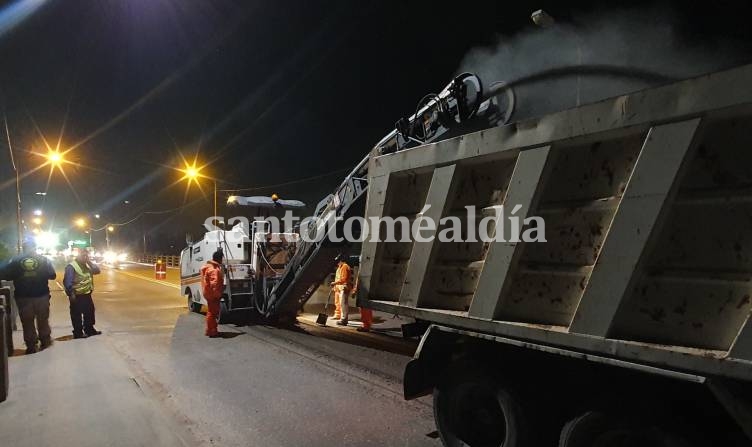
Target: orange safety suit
212,286
342,285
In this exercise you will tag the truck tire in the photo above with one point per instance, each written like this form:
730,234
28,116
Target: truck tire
224,313
596,429
473,410
192,305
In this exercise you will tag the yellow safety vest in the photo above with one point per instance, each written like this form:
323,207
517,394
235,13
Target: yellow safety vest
84,281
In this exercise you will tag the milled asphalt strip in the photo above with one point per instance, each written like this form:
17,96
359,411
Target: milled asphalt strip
334,362
174,286
318,357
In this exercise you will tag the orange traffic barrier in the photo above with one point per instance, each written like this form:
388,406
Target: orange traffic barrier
160,269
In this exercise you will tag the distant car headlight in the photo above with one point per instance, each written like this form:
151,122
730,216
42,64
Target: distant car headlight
110,257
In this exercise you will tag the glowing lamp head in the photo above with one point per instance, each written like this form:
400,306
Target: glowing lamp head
191,172
275,197
55,158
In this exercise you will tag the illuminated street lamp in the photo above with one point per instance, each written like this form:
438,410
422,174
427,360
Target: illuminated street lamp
81,224
38,212
192,173
37,221
55,158
110,229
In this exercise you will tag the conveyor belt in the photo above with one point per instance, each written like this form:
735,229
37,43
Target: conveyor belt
313,261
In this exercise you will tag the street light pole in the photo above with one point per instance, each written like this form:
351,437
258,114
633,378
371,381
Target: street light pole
19,241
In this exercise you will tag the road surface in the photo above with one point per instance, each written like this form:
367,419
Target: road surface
152,378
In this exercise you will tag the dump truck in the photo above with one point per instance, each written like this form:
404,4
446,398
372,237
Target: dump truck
630,324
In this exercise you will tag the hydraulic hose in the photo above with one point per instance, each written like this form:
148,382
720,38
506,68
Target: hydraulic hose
613,71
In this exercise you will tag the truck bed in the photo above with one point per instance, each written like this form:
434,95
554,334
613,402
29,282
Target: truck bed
647,200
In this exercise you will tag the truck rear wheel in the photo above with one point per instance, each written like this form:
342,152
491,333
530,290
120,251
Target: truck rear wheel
473,410
192,305
224,312
596,429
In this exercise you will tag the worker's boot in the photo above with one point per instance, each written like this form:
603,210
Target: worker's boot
92,332
79,335
45,344
31,349
342,322
363,329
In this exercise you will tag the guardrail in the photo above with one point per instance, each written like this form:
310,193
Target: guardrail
170,260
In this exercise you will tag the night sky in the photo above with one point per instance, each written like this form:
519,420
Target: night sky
263,92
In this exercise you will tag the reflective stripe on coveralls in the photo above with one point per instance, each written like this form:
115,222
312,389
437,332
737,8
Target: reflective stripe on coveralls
212,285
366,315
342,286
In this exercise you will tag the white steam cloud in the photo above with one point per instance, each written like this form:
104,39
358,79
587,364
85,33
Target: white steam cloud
644,40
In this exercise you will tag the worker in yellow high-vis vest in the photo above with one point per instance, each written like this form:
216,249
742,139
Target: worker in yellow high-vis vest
79,285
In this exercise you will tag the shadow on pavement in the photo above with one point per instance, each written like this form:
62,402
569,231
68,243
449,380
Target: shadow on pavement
383,340
229,334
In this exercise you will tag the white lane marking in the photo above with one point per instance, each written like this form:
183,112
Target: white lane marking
174,286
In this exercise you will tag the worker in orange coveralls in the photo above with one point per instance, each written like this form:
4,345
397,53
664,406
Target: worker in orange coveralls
212,286
342,285
366,315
